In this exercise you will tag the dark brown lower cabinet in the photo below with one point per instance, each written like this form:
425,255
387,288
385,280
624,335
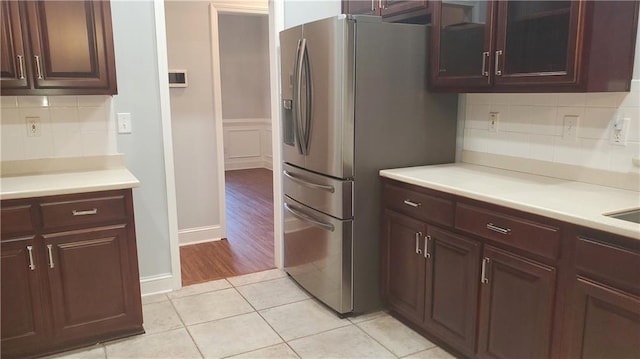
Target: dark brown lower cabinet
90,279
516,306
430,278
491,282
607,322
23,323
403,265
452,288
69,272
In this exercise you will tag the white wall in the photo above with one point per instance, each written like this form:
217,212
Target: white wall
193,120
138,93
244,66
530,126
70,126
298,12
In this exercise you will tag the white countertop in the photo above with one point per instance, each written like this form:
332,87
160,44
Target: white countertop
49,184
570,201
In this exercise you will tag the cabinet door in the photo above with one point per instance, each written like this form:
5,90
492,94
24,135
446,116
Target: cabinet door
403,265
92,282
399,10
23,323
462,44
536,42
72,45
516,306
13,48
360,7
606,322
451,297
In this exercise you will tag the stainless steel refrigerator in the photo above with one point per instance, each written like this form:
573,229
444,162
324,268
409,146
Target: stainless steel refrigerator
354,101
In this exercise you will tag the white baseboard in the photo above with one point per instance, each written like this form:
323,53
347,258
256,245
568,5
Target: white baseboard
157,284
199,235
230,165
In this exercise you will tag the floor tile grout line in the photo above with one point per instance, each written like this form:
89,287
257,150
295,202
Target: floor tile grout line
206,291
262,281
186,328
375,340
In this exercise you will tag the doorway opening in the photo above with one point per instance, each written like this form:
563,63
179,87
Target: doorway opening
243,242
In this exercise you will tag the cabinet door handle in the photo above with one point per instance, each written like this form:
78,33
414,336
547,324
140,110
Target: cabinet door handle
38,67
497,67
411,203
85,213
427,239
32,266
373,5
21,67
484,278
383,7
50,248
485,71
493,227
418,235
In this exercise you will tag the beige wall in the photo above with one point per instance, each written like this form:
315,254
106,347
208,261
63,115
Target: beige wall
244,66
192,116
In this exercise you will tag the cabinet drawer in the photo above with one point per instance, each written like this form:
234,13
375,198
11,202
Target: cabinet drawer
530,236
83,211
419,205
17,220
617,266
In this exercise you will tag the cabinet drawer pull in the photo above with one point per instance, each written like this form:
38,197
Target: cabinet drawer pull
492,227
484,278
21,67
32,266
485,71
38,67
50,249
418,235
409,202
497,68
426,247
85,213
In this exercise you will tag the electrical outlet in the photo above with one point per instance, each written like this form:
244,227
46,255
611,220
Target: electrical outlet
124,122
33,126
570,127
493,121
620,131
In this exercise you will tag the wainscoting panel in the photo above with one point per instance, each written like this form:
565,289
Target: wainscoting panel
247,143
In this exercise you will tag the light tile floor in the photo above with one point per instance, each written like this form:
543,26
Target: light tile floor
259,315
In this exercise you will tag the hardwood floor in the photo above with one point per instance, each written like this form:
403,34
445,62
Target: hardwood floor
249,244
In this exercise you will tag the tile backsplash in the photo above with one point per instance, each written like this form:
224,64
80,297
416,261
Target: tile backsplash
531,126
70,126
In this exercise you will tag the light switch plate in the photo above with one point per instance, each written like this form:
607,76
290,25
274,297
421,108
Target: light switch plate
124,122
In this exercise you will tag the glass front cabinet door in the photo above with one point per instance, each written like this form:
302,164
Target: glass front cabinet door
536,42
462,43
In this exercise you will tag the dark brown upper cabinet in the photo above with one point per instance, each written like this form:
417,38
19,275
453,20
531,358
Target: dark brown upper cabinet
533,46
57,48
406,11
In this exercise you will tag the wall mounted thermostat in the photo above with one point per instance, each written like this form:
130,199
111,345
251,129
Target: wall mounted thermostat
177,78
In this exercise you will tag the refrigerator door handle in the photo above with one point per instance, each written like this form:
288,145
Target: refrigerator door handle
309,96
307,218
297,94
302,182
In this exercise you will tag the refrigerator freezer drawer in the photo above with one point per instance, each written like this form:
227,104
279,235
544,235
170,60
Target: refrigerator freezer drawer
317,254
325,194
